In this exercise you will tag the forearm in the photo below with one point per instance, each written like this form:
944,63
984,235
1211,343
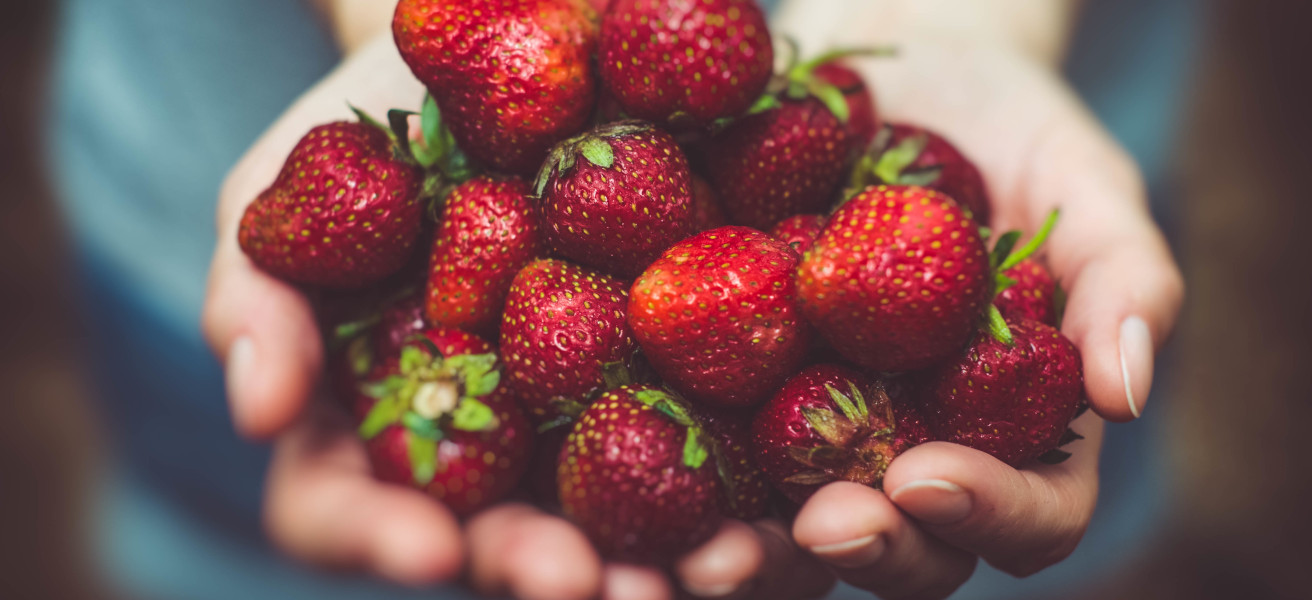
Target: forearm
355,22
1038,28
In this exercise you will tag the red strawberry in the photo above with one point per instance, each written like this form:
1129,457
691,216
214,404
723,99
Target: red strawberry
512,77
1012,401
616,197
344,212
488,232
898,280
911,155
688,63
446,425
562,325
717,318
745,492
864,120
638,477
799,231
829,423
1033,296
706,211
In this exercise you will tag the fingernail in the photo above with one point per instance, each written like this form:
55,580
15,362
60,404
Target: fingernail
239,366
933,501
852,554
717,590
1136,362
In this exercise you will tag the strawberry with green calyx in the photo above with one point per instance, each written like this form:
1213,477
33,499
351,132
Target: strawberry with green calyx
717,316
685,64
616,197
445,425
1034,295
799,231
789,157
513,76
1014,400
830,423
1005,257
345,211
910,155
638,474
562,325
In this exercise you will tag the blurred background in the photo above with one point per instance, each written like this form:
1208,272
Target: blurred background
1234,392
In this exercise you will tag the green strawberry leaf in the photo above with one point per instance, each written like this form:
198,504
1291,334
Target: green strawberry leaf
921,177
598,151
567,407
388,386
666,405
560,421
1033,245
482,385
616,375
368,119
421,427
829,425
833,99
413,359
423,459
1054,457
388,410
997,326
472,415
844,404
896,159
694,449
360,355
1002,249
1069,436
765,103
1003,283
863,412
437,141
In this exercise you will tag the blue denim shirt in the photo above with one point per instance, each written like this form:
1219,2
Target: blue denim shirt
155,100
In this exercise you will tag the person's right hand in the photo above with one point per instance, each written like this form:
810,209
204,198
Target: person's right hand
322,504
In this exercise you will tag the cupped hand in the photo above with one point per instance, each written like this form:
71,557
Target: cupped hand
944,506
323,505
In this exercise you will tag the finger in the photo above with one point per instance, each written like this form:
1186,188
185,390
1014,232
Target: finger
632,582
789,572
1124,288
264,331
1020,521
323,506
520,550
873,546
723,566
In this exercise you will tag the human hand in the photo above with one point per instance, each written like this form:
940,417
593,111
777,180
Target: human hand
323,505
1039,149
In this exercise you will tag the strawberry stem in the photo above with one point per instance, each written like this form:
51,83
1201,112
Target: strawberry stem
1033,245
997,326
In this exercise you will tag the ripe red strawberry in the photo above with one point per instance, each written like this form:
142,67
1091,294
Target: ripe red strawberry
616,197
717,317
685,63
562,326
446,425
744,490
488,232
706,211
830,423
898,280
1033,296
638,477
512,77
344,212
911,155
1012,401
799,231
864,120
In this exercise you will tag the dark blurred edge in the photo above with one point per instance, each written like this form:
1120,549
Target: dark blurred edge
46,441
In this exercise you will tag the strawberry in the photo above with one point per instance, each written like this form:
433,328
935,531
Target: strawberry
616,197
799,231
744,490
864,119
1013,401
513,76
1034,296
489,230
371,356
706,211
638,477
717,318
910,155
446,425
898,279
562,334
344,212
830,423
789,156
685,63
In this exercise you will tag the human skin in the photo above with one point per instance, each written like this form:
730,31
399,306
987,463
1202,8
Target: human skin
984,73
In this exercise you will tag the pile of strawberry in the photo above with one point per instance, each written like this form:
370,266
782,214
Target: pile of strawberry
601,321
